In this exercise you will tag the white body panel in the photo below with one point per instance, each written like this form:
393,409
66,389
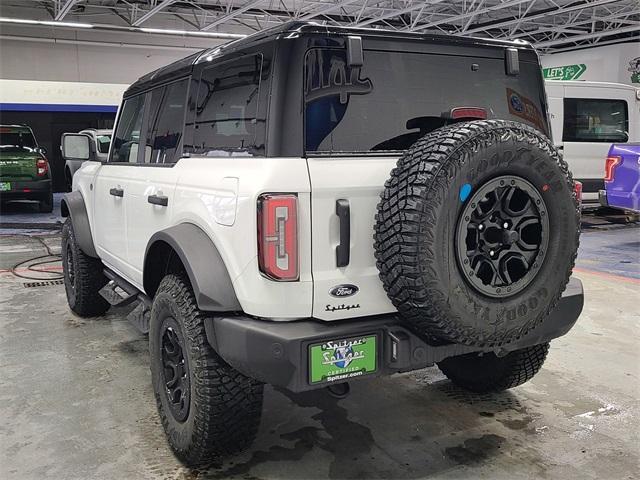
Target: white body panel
219,195
360,180
586,159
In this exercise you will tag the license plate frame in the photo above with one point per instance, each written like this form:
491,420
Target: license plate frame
343,359
5,186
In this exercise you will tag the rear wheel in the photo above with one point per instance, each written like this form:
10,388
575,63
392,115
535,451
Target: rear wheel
207,408
46,203
83,277
482,373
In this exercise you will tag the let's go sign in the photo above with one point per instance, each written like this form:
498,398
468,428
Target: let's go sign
566,72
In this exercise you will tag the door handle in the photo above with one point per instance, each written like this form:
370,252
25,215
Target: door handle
117,192
343,211
158,200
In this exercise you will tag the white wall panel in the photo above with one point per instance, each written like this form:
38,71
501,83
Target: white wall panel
609,63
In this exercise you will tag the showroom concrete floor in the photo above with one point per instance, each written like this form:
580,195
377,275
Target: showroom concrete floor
76,399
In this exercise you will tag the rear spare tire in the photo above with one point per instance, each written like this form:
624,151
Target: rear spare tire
477,232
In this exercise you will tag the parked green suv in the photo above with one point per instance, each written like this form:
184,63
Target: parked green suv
24,170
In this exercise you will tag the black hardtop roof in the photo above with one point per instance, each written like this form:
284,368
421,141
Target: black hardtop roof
184,66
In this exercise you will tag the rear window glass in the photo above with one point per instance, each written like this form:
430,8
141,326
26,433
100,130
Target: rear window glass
226,109
12,140
595,120
397,97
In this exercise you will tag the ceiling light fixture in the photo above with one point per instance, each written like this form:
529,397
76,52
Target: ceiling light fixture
159,31
51,23
197,33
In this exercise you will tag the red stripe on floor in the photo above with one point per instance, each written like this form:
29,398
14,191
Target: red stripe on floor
610,276
54,268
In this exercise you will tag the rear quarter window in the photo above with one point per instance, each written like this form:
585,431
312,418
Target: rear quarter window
595,120
397,97
226,116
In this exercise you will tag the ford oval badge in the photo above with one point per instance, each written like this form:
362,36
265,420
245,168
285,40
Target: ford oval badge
341,291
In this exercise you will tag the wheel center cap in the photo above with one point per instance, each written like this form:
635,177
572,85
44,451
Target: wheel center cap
509,237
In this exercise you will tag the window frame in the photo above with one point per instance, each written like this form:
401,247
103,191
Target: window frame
179,153
145,122
259,96
590,99
430,50
108,161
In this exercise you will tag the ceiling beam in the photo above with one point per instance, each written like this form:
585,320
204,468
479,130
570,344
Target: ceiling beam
555,28
587,36
397,13
153,11
331,8
462,16
572,48
535,16
231,14
68,5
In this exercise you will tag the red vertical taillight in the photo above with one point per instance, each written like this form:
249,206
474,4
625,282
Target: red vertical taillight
577,187
42,166
609,167
278,236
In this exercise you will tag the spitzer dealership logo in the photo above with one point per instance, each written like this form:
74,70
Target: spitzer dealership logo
345,290
341,354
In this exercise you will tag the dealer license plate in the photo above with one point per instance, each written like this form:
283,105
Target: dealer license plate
342,359
5,186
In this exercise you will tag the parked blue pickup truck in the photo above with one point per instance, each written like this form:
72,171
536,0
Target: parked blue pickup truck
622,177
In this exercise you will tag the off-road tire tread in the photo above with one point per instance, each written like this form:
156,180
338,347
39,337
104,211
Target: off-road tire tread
89,277
46,205
514,369
403,247
227,404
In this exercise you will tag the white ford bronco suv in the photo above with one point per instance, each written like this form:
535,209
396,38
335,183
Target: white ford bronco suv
312,205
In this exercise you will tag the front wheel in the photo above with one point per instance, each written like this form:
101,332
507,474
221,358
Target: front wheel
83,277
490,373
207,408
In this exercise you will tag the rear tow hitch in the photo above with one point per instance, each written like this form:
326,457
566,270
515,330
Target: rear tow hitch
339,390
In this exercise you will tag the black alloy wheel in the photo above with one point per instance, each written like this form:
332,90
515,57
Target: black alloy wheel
70,270
175,370
502,236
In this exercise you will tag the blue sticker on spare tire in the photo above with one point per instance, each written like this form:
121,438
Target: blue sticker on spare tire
465,191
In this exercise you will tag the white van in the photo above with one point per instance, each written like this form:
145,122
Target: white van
586,118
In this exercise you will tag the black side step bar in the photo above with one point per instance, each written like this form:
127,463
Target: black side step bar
115,298
140,315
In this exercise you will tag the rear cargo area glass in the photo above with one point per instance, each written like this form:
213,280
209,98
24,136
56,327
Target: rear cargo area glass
397,97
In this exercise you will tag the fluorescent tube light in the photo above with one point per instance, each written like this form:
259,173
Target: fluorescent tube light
51,23
197,33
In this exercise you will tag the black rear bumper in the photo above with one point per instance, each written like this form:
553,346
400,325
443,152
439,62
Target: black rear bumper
27,190
277,352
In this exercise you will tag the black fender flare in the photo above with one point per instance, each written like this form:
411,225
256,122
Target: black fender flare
73,206
205,267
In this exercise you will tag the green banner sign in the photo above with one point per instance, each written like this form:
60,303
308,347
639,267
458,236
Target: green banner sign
566,72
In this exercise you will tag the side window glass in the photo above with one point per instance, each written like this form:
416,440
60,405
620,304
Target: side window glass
226,109
595,120
127,135
166,123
